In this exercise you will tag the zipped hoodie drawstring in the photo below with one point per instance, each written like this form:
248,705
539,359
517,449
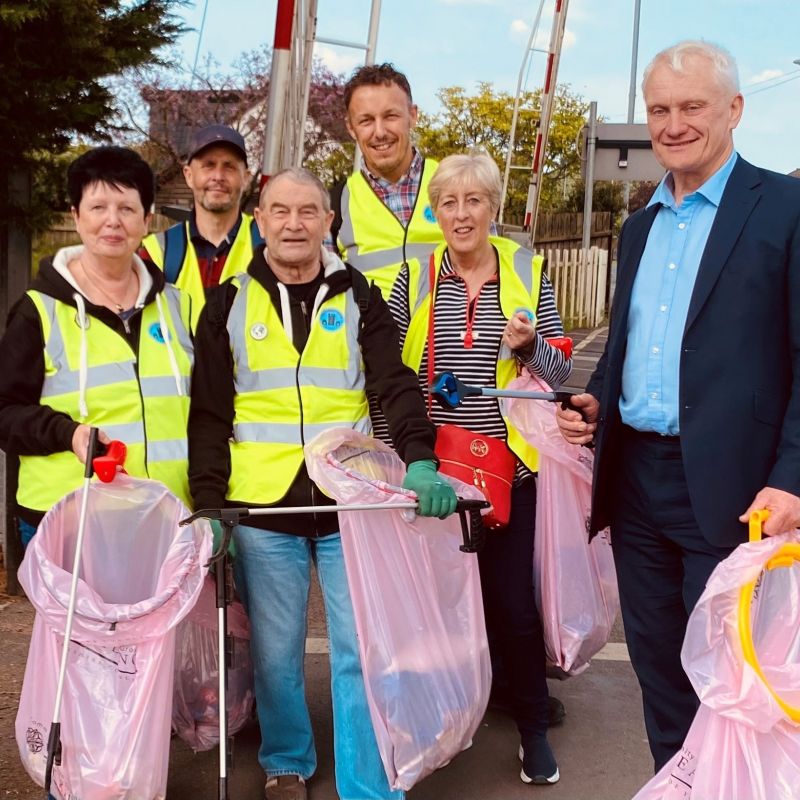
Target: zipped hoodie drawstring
83,368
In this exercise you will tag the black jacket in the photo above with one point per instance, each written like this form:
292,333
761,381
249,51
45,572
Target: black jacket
28,427
211,414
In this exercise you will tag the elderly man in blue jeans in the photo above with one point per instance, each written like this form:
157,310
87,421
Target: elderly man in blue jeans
282,353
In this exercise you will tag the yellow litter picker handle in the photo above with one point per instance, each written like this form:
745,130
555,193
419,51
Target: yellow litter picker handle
785,557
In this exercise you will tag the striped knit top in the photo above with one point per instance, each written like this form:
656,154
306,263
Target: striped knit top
476,364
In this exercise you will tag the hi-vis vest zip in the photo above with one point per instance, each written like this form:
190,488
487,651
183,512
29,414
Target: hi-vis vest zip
375,242
188,277
133,400
520,285
284,399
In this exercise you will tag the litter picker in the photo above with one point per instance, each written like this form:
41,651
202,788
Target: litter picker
230,517
450,392
105,464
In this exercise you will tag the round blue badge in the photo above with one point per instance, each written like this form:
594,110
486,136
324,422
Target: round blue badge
155,331
331,319
429,215
527,312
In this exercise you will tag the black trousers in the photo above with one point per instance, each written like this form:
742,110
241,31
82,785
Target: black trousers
663,562
512,619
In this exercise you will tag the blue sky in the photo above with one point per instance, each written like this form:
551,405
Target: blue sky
460,42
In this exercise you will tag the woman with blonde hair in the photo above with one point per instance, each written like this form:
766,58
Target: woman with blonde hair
484,310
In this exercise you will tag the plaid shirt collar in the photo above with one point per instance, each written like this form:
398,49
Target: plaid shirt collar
401,196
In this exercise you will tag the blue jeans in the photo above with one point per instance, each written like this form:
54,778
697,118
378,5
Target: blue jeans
272,576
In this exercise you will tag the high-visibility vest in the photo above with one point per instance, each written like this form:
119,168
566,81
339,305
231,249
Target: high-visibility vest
131,397
520,273
376,243
284,399
172,251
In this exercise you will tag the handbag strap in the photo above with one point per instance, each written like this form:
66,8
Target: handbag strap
431,342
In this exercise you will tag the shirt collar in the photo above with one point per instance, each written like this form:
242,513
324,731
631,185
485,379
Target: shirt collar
711,190
413,171
194,233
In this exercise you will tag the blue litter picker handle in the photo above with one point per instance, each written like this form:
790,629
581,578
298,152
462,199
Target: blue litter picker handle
450,392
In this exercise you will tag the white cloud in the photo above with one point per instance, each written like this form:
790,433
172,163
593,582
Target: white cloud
338,62
521,30
765,75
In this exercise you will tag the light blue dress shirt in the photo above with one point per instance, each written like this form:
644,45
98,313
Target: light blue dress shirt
660,300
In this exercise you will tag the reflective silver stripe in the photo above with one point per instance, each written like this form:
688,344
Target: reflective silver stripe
287,378
346,233
160,386
67,380
261,379
423,288
523,266
173,298
286,433
128,432
167,450
364,262
235,325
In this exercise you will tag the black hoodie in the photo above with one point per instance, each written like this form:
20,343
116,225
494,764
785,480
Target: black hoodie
27,427
211,415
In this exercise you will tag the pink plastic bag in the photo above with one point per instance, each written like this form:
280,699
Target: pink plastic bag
743,745
575,580
418,609
195,699
140,575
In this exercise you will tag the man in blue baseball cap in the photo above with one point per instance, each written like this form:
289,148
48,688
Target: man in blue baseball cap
217,240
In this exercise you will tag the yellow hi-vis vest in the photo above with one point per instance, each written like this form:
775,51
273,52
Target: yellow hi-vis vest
520,276
131,399
283,398
188,278
376,243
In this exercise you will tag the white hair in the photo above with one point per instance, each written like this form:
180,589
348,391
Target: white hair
476,167
722,62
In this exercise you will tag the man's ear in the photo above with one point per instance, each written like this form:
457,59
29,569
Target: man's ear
414,113
187,176
350,127
258,216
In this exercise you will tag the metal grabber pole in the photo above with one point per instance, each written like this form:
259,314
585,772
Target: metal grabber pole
54,739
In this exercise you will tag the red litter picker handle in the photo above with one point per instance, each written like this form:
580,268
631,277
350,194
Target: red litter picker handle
112,461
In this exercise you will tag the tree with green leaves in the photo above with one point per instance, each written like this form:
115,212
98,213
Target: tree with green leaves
56,59
483,120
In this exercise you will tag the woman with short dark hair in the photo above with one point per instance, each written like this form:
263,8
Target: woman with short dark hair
98,341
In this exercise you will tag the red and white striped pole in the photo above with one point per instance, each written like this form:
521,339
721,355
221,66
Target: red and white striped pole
545,115
278,89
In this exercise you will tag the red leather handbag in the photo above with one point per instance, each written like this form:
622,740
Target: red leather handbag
482,460
485,461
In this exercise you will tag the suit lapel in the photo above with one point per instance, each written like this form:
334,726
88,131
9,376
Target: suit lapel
628,269
738,200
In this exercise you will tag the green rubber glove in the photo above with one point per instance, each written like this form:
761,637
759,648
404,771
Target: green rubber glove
216,527
435,495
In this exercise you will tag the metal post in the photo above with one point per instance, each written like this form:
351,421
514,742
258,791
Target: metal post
626,186
309,33
369,58
513,133
589,187
278,89
545,116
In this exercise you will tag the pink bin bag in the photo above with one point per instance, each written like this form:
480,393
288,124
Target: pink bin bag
744,742
140,575
418,609
574,579
195,706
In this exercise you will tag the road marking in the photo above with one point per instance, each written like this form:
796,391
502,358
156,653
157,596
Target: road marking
613,651
589,339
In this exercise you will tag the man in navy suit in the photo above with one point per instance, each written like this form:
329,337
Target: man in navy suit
695,405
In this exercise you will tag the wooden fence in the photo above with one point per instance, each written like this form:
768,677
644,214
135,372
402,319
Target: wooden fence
580,283
559,231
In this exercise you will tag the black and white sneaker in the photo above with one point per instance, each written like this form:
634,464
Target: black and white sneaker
538,762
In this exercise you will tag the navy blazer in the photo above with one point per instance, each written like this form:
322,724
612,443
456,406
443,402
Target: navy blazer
739,390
